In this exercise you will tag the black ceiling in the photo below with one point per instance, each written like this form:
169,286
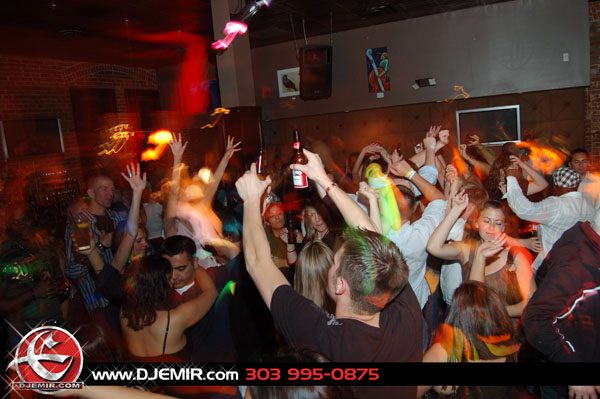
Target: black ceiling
119,31
273,25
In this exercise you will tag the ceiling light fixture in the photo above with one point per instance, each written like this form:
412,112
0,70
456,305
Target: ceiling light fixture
239,26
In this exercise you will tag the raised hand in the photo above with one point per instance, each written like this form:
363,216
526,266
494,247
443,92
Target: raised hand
462,150
368,191
490,248
460,201
137,182
396,157
384,154
534,244
401,168
474,140
92,247
371,148
177,148
515,167
313,168
433,131
250,187
451,173
232,148
516,161
283,235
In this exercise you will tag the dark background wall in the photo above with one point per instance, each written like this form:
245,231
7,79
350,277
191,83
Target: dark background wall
511,47
555,117
33,88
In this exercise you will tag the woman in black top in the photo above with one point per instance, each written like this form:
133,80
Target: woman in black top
153,329
319,225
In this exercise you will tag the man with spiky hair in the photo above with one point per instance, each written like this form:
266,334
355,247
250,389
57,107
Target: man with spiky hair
377,316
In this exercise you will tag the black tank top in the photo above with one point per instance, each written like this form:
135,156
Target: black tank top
182,355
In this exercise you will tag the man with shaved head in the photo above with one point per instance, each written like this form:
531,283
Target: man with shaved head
103,221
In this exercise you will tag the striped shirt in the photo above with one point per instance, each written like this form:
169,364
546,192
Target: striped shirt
78,266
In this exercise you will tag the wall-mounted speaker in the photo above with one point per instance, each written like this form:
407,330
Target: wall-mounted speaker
315,72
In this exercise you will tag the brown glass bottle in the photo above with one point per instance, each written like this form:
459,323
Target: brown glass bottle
300,179
291,229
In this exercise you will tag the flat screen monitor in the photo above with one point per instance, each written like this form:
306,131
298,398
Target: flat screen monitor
493,125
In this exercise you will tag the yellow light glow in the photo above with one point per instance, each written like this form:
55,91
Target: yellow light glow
461,93
120,134
545,159
160,138
218,112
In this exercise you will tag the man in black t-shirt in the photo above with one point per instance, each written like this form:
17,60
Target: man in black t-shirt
377,316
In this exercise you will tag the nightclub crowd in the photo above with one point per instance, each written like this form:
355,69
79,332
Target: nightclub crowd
449,253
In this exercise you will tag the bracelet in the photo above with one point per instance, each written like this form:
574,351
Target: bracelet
431,147
330,187
410,174
293,250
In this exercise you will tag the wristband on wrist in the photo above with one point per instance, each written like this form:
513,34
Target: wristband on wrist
431,147
293,250
332,185
410,174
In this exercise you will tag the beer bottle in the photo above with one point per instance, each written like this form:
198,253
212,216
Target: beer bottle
300,179
291,229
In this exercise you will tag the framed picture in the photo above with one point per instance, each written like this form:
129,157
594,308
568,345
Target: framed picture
378,69
288,81
26,137
494,125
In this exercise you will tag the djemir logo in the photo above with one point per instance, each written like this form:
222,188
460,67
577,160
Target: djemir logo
48,359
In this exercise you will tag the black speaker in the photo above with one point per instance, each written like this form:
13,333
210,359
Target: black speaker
315,72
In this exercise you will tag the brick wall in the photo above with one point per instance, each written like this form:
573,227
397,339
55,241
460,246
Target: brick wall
39,88
592,128
32,88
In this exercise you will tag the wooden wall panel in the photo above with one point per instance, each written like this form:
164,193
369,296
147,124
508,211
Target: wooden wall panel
555,117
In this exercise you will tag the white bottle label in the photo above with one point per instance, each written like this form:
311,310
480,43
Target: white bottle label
300,179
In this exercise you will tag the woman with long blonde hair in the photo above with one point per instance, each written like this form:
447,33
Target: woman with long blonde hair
310,281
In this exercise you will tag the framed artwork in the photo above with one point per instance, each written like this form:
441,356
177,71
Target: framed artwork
288,81
378,70
494,125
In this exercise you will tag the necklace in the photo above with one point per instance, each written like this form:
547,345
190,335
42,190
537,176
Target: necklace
323,234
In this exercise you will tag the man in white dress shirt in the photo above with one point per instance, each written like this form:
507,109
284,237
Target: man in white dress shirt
555,214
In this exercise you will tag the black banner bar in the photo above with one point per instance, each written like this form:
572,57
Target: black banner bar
232,374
